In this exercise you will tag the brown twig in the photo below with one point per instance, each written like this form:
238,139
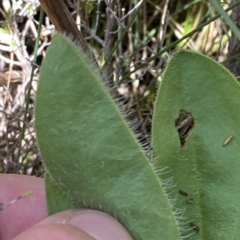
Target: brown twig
109,38
63,21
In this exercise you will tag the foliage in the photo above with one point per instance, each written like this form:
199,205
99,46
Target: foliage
136,39
93,159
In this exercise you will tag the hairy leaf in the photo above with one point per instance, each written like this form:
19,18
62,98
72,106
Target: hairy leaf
90,153
203,152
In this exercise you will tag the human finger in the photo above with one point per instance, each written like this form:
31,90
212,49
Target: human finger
27,211
77,225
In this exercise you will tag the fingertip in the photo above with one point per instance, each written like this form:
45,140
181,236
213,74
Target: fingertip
54,231
81,225
99,225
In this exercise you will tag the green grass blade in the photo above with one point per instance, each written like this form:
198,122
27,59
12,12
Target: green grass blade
227,19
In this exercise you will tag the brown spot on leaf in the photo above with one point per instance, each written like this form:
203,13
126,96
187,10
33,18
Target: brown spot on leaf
194,226
184,193
184,125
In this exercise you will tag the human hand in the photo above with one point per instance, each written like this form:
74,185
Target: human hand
27,219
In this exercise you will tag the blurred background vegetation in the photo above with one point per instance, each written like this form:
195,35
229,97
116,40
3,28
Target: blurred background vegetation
130,43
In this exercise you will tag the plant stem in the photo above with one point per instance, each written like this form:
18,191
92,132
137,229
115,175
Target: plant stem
23,129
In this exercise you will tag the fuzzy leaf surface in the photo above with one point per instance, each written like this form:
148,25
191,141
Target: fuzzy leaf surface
204,168
55,197
90,153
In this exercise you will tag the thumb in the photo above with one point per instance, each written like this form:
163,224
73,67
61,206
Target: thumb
76,225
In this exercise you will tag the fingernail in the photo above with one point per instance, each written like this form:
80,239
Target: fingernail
99,225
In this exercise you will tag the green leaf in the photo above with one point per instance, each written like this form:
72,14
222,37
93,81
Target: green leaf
203,168
55,197
90,153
